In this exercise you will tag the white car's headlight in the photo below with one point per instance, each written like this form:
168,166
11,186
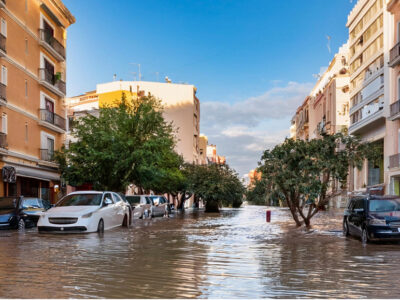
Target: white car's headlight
87,215
377,222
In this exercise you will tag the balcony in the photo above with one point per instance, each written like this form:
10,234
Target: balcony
394,161
394,111
394,56
49,42
52,82
47,155
2,3
3,140
370,122
55,121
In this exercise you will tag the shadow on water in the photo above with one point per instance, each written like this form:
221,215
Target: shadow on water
232,254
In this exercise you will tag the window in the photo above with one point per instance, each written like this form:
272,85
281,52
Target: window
398,32
398,88
4,75
50,145
26,88
26,131
107,197
3,28
26,46
4,123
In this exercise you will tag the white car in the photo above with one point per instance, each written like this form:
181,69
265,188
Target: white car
87,211
149,206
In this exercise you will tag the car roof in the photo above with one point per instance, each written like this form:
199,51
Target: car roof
89,192
375,197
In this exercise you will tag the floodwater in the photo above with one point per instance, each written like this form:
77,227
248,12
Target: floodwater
234,254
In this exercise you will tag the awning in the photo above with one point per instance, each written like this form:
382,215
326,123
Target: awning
34,173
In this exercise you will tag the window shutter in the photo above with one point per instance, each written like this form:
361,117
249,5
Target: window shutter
3,27
4,123
4,75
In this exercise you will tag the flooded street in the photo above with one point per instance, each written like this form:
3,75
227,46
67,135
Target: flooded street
235,254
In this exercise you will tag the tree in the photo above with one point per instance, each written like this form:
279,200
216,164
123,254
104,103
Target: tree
257,193
216,185
129,142
302,172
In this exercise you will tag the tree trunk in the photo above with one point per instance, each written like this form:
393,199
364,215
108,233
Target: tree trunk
212,206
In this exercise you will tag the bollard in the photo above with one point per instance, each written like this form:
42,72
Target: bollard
268,216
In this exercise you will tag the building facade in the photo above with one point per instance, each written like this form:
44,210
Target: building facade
369,35
32,91
181,106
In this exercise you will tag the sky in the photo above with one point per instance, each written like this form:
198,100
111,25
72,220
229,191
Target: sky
252,61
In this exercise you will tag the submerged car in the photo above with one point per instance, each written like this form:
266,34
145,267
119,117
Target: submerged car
86,211
373,218
21,212
149,206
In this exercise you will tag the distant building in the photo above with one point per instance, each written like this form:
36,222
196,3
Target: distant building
253,177
181,107
203,142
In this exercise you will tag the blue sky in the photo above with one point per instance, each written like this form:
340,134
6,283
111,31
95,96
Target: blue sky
252,61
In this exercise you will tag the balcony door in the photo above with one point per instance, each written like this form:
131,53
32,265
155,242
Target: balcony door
49,71
49,105
50,147
48,31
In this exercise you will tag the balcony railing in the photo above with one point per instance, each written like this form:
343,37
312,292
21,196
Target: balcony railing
395,110
395,55
3,140
3,92
394,161
52,79
2,3
52,118
47,154
48,38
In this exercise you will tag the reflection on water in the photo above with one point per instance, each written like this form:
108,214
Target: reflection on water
229,255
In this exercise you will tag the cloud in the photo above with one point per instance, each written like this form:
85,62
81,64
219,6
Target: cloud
243,130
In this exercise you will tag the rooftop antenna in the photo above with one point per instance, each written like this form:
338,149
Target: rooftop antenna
329,43
140,75
134,75
115,77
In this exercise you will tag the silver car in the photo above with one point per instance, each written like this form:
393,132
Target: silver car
147,206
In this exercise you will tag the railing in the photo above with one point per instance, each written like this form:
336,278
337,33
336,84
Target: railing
394,53
3,140
394,161
46,154
3,43
3,92
48,38
50,117
3,1
395,108
50,78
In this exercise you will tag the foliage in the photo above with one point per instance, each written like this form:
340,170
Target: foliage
216,185
129,142
302,172
257,193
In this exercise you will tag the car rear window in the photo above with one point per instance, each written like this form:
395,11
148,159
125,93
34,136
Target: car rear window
133,199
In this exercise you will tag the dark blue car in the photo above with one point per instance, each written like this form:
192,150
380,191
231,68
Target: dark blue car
373,218
21,212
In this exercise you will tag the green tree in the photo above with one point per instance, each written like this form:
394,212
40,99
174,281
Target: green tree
129,142
216,185
302,172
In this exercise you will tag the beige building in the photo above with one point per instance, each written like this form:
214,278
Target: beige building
181,107
329,99
32,91
203,142
370,33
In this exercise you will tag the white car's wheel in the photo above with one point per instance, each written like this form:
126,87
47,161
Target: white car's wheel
125,222
100,227
21,224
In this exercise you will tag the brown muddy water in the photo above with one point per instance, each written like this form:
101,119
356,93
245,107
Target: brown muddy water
234,254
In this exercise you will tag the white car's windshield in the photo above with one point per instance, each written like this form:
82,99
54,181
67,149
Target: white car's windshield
80,200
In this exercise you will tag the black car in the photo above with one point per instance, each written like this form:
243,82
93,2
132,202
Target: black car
373,218
21,212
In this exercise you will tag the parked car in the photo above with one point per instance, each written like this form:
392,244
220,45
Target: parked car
373,218
149,206
21,212
85,211
123,198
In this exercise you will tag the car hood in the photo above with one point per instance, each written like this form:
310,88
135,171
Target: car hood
388,215
70,211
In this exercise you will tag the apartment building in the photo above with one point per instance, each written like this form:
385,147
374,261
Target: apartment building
302,120
181,106
393,121
203,142
329,99
32,91
369,35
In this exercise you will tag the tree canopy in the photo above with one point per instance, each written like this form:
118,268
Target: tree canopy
127,143
303,172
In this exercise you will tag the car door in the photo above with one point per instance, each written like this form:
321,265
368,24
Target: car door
119,209
357,217
108,211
